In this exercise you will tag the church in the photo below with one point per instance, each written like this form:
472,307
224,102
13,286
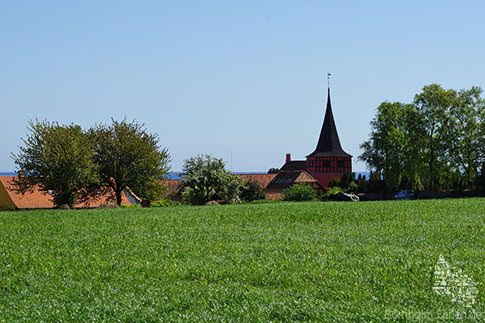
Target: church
327,161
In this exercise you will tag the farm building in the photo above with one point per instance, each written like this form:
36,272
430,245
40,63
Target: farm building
37,199
286,179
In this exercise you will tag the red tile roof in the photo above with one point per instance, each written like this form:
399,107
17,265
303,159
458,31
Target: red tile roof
262,179
38,199
172,185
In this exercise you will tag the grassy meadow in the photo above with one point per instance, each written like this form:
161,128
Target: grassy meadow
313,261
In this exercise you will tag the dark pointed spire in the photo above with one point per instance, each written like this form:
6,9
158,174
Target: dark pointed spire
329,144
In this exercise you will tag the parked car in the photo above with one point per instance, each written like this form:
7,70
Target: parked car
405,195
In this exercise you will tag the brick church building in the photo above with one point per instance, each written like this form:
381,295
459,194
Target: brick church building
328,160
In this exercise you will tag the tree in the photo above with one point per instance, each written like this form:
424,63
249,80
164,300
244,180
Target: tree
480,181
361,184
205,176
346,180
385,151
434,105
466,140
129,157
334,182
58,159
438,139
251,191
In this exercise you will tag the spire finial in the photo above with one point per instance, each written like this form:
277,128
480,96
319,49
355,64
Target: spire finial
328,78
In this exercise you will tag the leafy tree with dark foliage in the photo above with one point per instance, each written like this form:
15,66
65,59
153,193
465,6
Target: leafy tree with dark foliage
252,191
129,157
58,159
437,141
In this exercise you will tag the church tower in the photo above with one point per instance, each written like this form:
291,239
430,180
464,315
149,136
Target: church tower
328,160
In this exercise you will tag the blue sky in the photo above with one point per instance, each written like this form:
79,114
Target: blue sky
246,77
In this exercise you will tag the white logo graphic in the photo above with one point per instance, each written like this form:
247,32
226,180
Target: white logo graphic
453,283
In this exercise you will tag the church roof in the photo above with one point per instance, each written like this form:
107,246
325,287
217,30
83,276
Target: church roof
329,144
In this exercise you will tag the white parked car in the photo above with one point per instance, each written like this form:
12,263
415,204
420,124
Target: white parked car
405,195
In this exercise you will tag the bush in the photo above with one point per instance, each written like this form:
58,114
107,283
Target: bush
353,187
332,191
252,191
193,196
299,192
334,182
164,203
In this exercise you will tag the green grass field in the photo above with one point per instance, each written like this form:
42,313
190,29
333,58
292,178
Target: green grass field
315,261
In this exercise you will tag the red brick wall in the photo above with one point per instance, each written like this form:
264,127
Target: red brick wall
318,168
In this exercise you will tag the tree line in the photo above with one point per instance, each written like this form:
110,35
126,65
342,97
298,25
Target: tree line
77,165
437,142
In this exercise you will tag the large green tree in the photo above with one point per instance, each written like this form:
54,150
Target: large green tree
205,176
58,159
386,150
434,105
466,139
439,140
129,157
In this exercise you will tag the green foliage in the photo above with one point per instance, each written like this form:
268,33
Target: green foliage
128,156
346,180
440,133
206,176
299,192
389,150
251,191
375,183
131,206
58,159
335,181
353,187
312,262
164,203
361,184
480,181
332,191
193,196
335,190
466,140
434,105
